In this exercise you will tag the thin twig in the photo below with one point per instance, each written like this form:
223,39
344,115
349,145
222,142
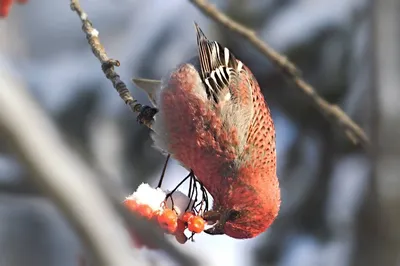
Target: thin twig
354,132
107,64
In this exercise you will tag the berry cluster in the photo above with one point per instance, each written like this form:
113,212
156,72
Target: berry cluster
5,6
169,220
174,213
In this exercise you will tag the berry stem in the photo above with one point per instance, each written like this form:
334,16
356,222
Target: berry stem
163,171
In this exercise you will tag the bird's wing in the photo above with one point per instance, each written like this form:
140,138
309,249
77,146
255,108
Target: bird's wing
228,83
150,86
219,68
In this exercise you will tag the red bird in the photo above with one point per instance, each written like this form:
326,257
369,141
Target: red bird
210,115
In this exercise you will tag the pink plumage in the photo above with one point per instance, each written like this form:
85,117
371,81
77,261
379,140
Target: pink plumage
213,119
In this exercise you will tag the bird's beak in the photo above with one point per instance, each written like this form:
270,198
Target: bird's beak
219,219
217,229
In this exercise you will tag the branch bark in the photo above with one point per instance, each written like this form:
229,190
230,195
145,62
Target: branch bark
354,132
107,64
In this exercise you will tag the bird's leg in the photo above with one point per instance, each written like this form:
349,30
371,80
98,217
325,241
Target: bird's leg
146,115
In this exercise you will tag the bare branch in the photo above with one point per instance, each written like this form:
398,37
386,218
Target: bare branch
354,132
107,64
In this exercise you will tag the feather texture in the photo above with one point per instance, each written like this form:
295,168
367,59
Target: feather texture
213,119
219,68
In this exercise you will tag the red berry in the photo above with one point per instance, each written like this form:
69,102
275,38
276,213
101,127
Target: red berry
145,211
155,216
196,224
186,216
172,227
168,220
131,204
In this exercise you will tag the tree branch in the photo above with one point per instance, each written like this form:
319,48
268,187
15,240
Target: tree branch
65,179
107,64
333,112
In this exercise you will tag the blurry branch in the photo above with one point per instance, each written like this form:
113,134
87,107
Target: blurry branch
107,64
333,112
73,187
60,173
24,187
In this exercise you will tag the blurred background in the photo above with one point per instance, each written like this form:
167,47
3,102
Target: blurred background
340,206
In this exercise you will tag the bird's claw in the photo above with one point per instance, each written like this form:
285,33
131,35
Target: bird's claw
146,115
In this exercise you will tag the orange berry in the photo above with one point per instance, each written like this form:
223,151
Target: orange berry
145,211
157,212
186,216
168,220
196,224
131,204
155,216
167,215
172,227
181,238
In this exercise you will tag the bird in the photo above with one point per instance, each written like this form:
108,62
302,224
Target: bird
209,114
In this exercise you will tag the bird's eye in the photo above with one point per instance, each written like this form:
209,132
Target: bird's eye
233,215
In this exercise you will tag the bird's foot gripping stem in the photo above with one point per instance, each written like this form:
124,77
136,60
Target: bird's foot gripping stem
146,115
